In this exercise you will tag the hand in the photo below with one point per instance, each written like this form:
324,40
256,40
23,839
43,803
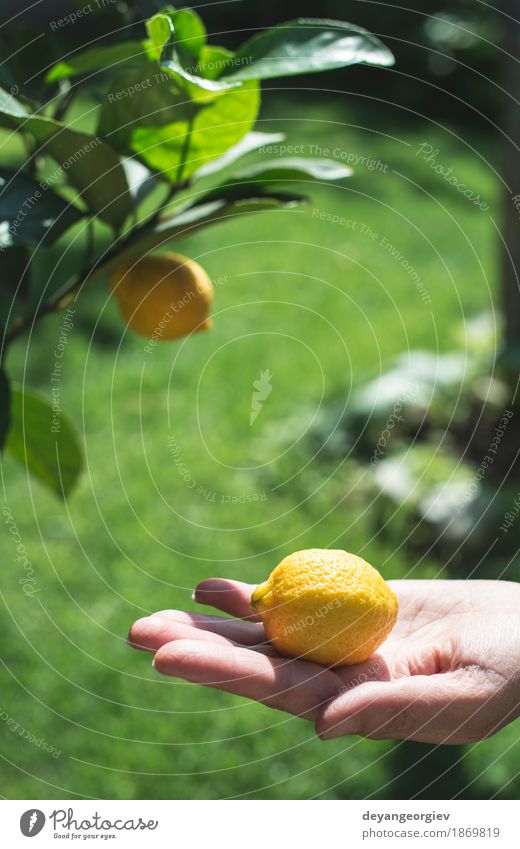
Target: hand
448,673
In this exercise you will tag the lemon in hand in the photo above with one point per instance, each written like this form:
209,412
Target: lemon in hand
163,297
327,606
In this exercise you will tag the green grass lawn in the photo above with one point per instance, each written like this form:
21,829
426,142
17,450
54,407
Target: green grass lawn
323,306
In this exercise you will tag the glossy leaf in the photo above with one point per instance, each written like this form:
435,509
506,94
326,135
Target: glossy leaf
140,97
91,166
106,58
177,59
249,143
175,67
190,32
296,169
29,214
307,45
276,171
94,169
45,441
214,60
10,106
160,32
179,148
141,181
192,219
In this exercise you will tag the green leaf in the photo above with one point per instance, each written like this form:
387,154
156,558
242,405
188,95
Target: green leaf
30,214
160,31
90,164
239,192
93,168
245,194
141,181
140,97
258,177
45,441
213,60
289,169
307,45
178,149
190,32
5,408
178,60
248,144
107,58
192,219
10,106
214,87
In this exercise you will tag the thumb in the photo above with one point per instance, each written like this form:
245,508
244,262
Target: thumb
445,708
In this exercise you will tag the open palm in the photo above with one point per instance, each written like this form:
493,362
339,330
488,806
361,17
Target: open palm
449,672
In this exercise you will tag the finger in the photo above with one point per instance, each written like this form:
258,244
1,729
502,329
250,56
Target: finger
152,632
428,709
294,686
232,597
247,633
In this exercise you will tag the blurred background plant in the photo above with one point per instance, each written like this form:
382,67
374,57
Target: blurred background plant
385,404
167,112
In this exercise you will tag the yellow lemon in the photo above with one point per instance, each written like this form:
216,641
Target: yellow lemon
163,297
327,606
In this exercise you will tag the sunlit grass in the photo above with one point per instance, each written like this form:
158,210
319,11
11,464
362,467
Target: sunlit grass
323,306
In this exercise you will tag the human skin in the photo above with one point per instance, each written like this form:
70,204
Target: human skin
448,673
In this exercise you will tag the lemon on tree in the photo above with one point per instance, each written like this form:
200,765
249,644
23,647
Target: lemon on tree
327,606
164,297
